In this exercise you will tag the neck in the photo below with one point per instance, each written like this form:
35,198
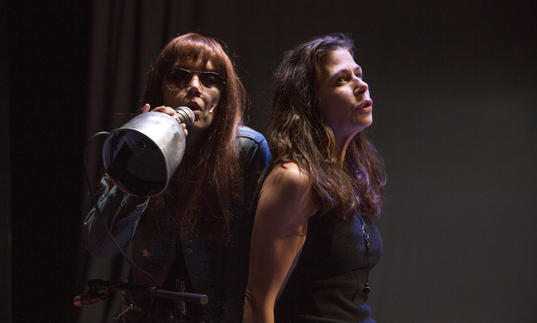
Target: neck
342,142
341,151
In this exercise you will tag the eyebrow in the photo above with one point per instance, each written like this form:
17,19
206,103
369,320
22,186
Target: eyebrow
356,68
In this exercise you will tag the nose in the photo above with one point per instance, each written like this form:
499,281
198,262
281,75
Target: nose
194,84
361,85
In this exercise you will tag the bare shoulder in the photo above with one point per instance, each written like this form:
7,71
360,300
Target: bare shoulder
289,176
289,189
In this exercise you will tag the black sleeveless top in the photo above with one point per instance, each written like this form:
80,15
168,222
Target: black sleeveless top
329,282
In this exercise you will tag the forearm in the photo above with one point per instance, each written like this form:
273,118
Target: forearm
255,312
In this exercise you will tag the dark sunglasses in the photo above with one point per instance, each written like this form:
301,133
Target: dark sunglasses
180,77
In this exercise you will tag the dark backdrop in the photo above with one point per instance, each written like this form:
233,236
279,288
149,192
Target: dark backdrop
455,96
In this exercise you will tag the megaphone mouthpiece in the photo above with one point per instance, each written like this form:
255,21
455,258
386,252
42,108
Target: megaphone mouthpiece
186,115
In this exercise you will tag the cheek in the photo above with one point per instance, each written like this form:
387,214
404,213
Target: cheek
333,104
171,99
215,98
167,96
326,105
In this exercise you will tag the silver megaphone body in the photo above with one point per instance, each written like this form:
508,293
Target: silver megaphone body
142,155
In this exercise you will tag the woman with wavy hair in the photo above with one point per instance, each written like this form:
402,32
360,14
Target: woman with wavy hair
194,236
314,241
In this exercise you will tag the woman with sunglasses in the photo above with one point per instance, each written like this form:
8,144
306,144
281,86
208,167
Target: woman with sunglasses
195,236
314,241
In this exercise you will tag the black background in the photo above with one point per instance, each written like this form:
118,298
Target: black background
454,86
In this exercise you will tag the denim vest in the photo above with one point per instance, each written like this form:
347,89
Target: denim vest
218,270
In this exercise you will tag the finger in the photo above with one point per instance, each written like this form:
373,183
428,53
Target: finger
145,108
167,110
185,130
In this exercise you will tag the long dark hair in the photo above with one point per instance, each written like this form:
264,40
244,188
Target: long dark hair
206,186
299,134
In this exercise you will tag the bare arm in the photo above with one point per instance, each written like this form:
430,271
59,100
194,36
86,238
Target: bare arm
285,204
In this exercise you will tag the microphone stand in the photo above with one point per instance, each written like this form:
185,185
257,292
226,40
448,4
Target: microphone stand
100,289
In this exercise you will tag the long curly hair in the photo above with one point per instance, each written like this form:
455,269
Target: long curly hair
298,133
206,187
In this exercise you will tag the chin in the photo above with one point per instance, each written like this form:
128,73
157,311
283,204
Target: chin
370,122
364,122
200,125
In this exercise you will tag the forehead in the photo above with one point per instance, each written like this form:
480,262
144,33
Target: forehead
336,60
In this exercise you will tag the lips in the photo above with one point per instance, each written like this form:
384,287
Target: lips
367,103
193,105
365,107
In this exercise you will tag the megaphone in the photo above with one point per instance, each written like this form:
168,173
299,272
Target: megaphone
142,155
